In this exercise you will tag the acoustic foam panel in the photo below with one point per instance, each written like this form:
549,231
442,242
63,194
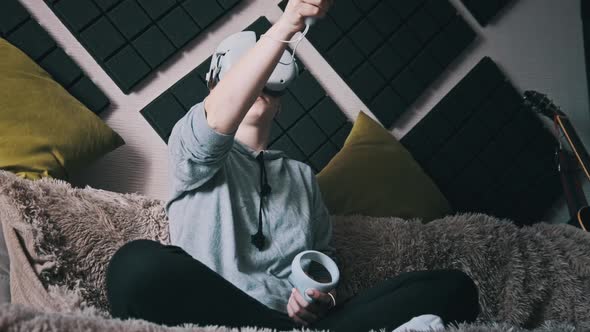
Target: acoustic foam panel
485,10
389,52
21,30
131,38
486,151
310,127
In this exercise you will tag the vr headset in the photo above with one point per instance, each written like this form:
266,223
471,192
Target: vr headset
231,49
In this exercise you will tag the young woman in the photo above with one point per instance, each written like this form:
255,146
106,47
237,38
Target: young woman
240,213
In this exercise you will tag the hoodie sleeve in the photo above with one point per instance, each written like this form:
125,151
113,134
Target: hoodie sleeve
196,151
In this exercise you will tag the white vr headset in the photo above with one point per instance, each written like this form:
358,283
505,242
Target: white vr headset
231,49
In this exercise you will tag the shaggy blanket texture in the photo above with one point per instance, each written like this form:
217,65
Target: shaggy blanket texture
526,276
17,318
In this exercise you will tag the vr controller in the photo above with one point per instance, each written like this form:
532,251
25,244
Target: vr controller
302,282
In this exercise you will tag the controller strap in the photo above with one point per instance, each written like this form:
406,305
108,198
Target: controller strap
296,41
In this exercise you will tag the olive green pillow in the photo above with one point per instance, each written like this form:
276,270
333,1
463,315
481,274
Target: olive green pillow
375,175
44,131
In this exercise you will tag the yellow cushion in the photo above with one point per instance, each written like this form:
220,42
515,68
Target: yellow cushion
375,175
44,131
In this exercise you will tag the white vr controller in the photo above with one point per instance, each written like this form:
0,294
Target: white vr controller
231,49
300,280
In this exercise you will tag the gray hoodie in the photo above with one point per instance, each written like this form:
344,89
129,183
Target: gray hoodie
214,209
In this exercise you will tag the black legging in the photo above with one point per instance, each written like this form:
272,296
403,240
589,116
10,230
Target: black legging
165,285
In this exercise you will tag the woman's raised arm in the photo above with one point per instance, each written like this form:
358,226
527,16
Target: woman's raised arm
227,104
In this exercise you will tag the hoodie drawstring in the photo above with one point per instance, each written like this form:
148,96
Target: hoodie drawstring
258,239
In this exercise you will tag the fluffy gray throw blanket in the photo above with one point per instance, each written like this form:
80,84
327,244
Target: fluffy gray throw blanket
16,318
526,276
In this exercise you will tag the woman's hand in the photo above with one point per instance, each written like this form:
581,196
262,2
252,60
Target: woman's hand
297,10
304,312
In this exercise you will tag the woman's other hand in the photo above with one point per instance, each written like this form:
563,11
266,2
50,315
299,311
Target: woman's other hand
297,11
304,312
